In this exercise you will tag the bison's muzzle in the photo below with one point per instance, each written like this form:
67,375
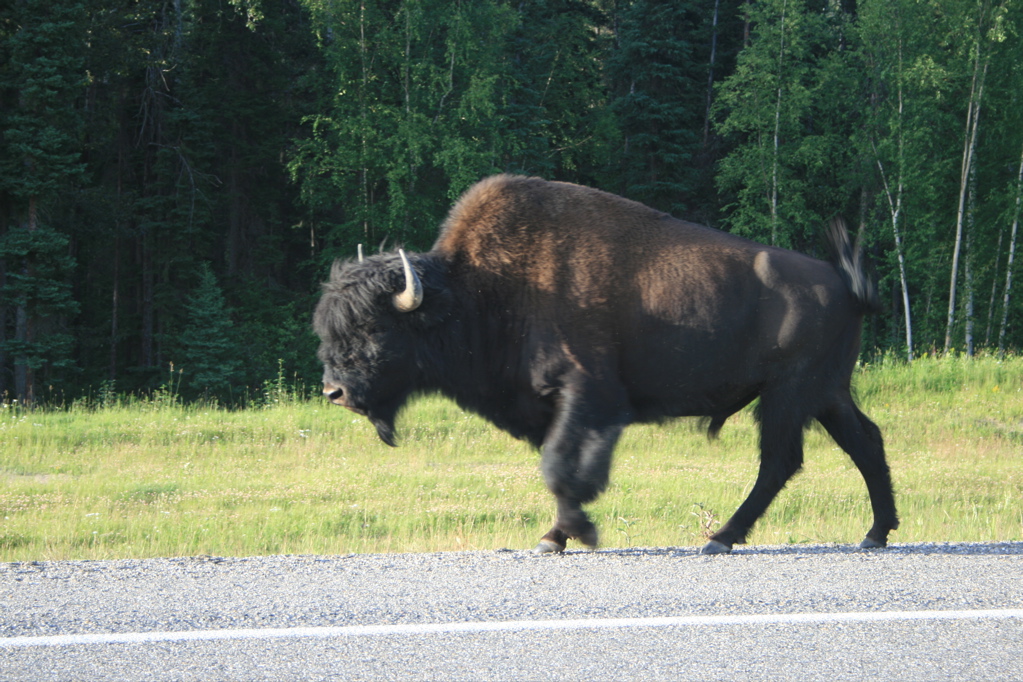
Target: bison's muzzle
336,394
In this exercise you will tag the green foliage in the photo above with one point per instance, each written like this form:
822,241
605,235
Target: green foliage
40,284
40,288
413,120
659,72
557,119
41,72
143,140
766,107
209,354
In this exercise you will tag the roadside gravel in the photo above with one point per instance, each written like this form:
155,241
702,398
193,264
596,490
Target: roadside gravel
54,598
242,598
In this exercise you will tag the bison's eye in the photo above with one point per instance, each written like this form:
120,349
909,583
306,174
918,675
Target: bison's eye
333,357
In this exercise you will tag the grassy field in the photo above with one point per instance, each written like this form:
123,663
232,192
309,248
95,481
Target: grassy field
143,478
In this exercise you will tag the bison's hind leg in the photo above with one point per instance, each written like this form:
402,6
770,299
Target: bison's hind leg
862,440
782,419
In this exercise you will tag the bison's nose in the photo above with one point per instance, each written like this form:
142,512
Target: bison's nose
334,393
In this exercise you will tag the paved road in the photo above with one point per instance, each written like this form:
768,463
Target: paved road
911,612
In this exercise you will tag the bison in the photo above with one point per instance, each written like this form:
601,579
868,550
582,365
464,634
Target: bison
563,313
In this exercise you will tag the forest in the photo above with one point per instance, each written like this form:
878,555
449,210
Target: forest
176,176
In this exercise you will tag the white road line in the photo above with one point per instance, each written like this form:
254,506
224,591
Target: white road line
506,626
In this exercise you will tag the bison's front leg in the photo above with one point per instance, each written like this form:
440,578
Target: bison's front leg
577,459
571,523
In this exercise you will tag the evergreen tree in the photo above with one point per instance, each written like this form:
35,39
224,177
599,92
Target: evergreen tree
208,356
558,119
191,107
659,70
41,77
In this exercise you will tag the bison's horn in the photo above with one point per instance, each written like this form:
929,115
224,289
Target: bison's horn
412,297
359,247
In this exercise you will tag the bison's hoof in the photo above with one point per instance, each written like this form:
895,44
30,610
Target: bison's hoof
548,547
871,543
715,547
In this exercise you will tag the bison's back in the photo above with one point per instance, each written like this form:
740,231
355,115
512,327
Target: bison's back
587,245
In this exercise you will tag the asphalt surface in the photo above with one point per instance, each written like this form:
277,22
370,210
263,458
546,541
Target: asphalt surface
909,612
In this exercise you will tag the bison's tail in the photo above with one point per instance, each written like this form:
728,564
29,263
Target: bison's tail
848,260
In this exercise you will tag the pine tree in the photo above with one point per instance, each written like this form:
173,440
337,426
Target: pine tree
559,123
40,78
208,355
659,71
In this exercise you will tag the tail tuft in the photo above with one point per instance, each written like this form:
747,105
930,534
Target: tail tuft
848,260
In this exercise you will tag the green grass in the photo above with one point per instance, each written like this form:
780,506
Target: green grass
137,478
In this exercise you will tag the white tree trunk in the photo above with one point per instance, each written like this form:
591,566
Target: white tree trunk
969,149
777,133
994,289
1008,266
895,208
710,74
895,211
971,212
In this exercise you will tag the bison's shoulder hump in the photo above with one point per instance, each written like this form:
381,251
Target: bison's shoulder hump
511,207
483,206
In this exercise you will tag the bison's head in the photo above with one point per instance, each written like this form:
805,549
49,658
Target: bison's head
371,317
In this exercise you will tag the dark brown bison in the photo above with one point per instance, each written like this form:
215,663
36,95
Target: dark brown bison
563,313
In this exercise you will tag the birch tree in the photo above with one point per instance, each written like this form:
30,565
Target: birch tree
887,44
1007,296
412,119
986,29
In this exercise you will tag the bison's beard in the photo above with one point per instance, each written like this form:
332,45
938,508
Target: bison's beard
385,429
382,417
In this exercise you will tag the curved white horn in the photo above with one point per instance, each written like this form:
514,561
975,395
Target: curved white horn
412,297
